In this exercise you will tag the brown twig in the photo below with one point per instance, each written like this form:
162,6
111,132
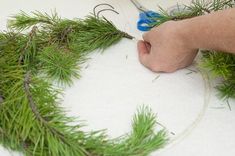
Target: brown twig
33,106
65,34
126,35
31,35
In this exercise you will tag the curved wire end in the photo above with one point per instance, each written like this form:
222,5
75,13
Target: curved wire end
102,4
98,13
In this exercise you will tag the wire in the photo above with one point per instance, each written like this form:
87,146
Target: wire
102,4
98,13
188,130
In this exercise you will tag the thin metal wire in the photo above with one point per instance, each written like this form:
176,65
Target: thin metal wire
102,4
207,94
98,13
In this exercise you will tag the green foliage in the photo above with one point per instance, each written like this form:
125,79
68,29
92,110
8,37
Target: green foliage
142,140
60,32
196,8
36,123
31,118
221,65
143,129
96,33
59,64
24,21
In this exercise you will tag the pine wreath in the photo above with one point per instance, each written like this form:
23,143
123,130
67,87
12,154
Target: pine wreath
39,51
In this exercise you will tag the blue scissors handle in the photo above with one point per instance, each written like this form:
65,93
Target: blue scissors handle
146,19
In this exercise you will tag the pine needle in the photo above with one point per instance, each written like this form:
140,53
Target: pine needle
59,65
96,33
24,21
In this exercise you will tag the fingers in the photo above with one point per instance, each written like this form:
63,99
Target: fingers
145,56
144,53
149,36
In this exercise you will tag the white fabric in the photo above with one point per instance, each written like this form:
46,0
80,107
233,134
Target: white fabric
114,84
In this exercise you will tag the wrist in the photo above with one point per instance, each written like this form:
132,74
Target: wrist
201,32
187,35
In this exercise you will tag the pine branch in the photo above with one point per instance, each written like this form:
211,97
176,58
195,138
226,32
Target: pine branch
227,89
96,33
35,111
24,21
60,32
196,8
143,134
142,140
30,98
76,36
60,65
45,122
221,65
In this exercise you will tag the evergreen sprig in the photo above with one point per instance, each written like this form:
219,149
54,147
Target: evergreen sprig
24,21
196,8
96,33
39,51
221,66
59,65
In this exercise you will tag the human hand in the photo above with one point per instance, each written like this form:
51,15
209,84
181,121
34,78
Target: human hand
167,48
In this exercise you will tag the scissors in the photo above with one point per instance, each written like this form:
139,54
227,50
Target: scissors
146,17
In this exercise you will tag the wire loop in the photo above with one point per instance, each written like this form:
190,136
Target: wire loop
108,9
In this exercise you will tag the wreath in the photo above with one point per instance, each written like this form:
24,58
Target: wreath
41,50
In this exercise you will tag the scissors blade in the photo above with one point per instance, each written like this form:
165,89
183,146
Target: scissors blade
139,6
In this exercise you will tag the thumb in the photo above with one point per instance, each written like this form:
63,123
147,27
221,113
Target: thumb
147,36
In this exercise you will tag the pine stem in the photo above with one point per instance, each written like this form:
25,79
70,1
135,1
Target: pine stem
176,18
31,35
34,108
126,35
65,33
